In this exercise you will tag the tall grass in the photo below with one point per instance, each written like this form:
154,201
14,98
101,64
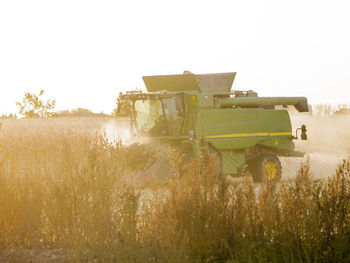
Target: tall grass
59,188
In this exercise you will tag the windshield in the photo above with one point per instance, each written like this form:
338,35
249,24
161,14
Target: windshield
149,116
159,116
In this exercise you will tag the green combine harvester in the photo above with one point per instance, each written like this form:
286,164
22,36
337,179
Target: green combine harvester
200,113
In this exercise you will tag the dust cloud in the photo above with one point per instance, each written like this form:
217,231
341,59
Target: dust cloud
116,130
327,144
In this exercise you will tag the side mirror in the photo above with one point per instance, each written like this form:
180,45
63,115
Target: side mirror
303,132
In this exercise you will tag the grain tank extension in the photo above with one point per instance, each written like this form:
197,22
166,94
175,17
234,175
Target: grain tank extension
200,113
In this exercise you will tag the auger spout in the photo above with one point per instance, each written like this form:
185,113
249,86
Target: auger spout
300,103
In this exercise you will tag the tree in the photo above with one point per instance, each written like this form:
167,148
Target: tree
33,107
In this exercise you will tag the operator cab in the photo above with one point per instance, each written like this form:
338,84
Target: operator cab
157,114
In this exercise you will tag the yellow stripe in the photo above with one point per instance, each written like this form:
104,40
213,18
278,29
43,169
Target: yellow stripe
240,135
237,135
280,133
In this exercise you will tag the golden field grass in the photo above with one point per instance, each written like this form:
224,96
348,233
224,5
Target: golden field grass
60,188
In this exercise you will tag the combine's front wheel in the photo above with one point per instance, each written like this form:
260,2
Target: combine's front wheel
266,167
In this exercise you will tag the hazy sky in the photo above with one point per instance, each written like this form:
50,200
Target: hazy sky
82,53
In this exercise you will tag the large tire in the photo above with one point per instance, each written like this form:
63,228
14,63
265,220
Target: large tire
266,167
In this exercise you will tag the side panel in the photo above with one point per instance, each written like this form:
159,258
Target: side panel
237,129
232,129
280,136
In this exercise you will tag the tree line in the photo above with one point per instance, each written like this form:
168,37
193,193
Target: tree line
33,106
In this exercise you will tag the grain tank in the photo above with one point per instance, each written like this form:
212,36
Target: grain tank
200,113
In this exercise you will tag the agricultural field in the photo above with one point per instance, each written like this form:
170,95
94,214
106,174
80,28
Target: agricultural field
63,198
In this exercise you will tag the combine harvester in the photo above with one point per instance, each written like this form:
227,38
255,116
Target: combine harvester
200,113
